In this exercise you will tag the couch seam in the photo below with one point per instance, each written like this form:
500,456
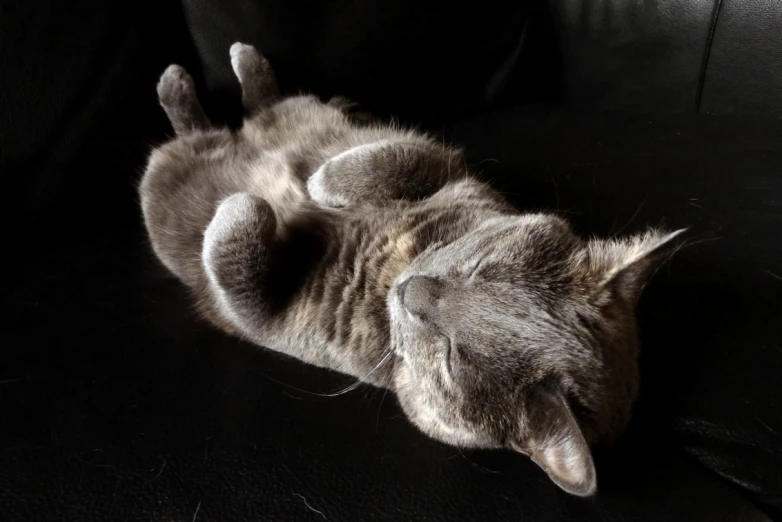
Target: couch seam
707,54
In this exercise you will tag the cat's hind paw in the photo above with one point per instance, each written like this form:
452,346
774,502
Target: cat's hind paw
177,95
175,87
255,76
246,61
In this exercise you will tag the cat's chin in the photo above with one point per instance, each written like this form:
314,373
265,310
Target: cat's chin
416,406
413,393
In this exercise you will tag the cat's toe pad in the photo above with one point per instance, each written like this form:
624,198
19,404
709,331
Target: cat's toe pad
175,86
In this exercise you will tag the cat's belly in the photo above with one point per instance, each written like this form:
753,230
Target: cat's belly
272,178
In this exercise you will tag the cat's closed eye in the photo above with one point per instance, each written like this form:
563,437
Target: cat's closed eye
451,354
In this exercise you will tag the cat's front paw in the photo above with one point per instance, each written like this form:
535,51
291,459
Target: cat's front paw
318,186
237,238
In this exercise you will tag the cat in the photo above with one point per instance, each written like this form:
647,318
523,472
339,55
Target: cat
370,250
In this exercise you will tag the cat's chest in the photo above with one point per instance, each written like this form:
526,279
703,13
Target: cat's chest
373,253
380,246
345,304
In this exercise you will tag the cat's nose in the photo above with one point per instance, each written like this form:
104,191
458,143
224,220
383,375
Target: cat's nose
419,294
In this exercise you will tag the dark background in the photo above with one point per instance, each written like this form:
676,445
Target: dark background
117,403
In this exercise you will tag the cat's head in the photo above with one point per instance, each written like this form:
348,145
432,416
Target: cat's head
520,335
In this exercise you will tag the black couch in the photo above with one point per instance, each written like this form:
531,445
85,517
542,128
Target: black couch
117,403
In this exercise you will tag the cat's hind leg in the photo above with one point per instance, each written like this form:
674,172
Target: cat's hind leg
177,96
259,86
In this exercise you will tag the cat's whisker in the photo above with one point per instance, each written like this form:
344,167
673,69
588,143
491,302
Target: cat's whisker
338,393
473,464
632,218
380,409
362,380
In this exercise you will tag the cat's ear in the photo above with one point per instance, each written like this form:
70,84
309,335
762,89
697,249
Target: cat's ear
553,440
621,268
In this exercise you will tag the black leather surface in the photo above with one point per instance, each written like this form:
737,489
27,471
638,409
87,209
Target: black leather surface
78,110
420,60
745,64
117,404
714,56
634,55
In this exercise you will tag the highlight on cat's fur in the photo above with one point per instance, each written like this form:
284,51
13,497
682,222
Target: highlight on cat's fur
368,249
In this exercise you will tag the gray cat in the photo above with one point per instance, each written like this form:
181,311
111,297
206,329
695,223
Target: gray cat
368,249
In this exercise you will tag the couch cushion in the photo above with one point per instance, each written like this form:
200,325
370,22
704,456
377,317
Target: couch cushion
744,72
420,60
713,56
633,55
